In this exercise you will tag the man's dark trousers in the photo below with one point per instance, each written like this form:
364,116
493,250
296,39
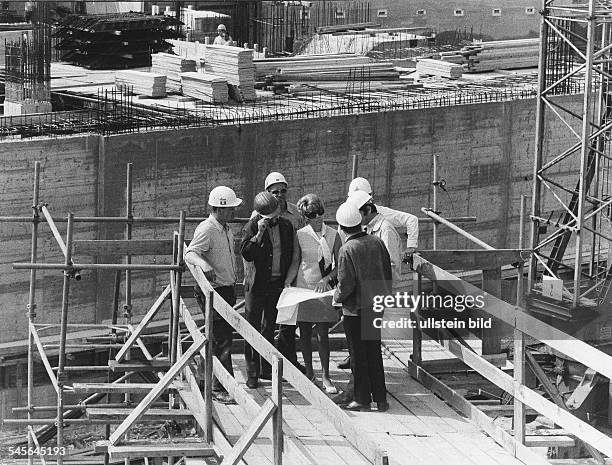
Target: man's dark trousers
366,364
261,314
222,331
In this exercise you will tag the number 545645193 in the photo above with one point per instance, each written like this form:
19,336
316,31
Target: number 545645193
25,451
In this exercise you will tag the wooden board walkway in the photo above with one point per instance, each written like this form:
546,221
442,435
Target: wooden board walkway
419,428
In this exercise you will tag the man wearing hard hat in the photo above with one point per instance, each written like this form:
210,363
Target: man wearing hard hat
268,244
277,185
397,218
223,37
364,272
212,249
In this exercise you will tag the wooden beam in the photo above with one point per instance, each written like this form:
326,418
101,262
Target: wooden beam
341,421
43,357
90,388
151,414
122,247
164,382
143,324
277,418
249,436
477,259
549,441
527,324
149,365
161,450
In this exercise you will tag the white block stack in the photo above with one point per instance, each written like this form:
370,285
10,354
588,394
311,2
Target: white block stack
439,68
172,66
234,64
206,87
142,83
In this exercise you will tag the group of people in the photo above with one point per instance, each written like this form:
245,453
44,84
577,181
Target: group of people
285,245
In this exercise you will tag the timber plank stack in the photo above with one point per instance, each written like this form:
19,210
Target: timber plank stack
235,65
502,54
205,87
439,68
142,83
172,66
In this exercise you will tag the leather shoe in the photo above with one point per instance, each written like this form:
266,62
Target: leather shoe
355,406
252,383
343,398
345,364
382,406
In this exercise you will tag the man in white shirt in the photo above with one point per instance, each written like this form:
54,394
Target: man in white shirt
223,37
397,218
212,249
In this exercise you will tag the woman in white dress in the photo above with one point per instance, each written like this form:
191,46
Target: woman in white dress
319,245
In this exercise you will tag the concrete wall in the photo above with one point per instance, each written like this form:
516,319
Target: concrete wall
485,155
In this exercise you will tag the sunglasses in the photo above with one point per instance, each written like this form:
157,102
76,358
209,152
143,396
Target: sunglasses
313,215
278,192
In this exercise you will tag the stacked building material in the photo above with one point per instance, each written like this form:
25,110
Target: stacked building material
172,66
235,65
363,72
115,41
207,87
503,54
439,68
271,66
141,83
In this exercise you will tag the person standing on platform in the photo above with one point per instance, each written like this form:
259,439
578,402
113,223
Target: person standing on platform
364,271
268,243
212,249
318,256
223,37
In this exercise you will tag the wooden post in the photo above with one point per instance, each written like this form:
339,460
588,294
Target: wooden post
127,307
62,349
417,336
31,309
277,418
435,201
519,339
491,283
176,296
208,364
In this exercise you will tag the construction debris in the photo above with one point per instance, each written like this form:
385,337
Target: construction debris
439,68
116,41
172,66
141,83
205,87
235,65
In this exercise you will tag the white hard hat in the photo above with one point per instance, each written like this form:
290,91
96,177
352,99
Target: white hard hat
348,215
358,198
359,184
273,178
221,27
222,196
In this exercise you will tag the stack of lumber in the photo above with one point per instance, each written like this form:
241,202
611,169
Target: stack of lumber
206,87
172,66
439,68
346,27
142,83
235,65
502,54
271,66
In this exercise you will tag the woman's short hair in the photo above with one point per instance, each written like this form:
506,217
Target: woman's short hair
310,203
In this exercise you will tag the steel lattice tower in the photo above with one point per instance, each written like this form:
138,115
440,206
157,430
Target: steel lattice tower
572,199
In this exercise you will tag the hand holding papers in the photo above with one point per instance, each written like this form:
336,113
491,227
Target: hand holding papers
319,308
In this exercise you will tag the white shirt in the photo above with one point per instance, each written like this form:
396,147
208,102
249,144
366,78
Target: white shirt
401,220
384,230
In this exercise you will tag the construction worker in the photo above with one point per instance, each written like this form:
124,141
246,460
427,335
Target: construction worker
379,226
276,184
364,271
397,218
212,249
223,37
268,242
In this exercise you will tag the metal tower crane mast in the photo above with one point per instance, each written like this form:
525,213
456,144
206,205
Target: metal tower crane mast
571,187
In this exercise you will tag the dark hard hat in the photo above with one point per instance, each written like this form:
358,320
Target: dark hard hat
265,204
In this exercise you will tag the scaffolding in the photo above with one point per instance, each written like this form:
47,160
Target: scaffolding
576,44
171,387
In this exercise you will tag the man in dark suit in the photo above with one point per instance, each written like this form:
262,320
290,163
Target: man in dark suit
268,241
364,271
